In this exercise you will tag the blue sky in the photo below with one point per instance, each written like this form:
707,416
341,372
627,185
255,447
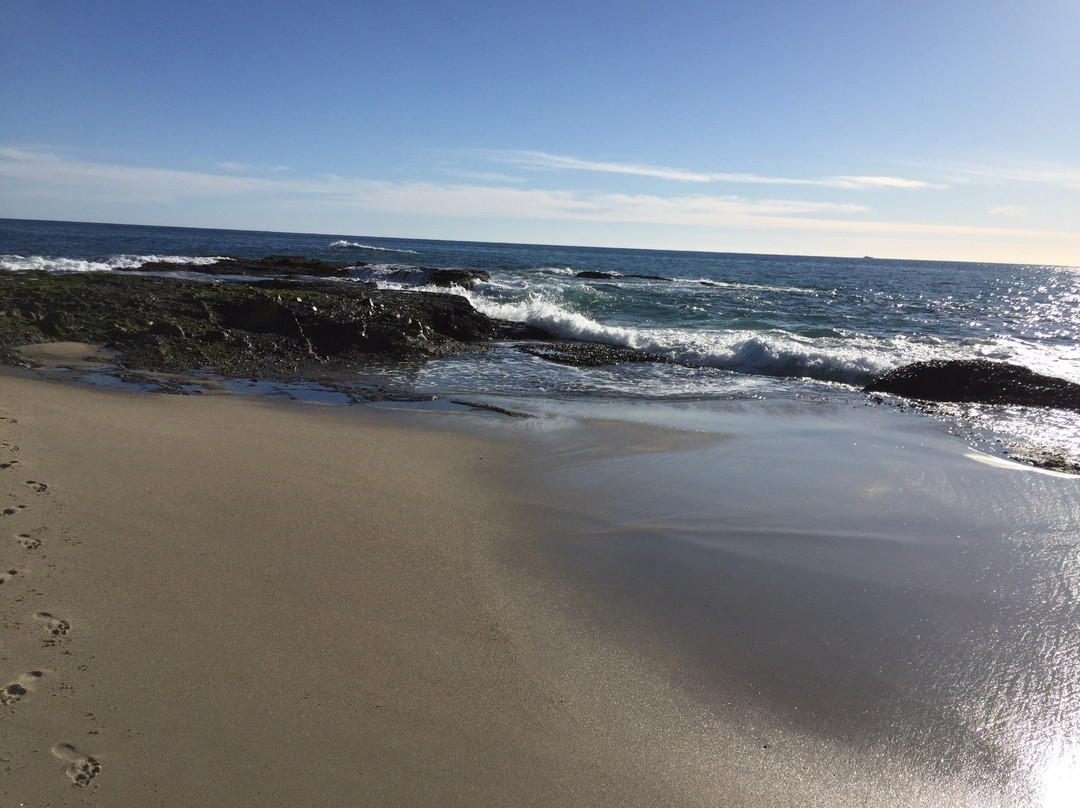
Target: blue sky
945,129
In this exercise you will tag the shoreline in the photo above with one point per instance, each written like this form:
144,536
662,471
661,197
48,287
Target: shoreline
278,603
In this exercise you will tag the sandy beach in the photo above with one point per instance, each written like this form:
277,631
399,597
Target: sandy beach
222,600
258,604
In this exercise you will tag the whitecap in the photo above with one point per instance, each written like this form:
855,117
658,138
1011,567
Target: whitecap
356,245
46,263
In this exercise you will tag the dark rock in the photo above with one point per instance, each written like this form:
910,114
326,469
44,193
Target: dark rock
272,265
247,328
978,381
431,276
648,277
456,277
588,354
614,276
1044,458
166,329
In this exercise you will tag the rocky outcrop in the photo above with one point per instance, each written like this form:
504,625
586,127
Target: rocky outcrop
270,266
978,380
592,274
588,354
456,277
269,327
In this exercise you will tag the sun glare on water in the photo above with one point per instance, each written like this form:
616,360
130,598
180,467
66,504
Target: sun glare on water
1061,781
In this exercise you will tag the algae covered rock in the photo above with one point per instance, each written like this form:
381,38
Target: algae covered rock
283,325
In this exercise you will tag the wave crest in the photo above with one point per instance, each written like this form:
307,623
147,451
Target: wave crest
852,360
342,244
45,263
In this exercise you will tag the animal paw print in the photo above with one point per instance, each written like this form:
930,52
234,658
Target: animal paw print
81,768
13,691
27,541
54,625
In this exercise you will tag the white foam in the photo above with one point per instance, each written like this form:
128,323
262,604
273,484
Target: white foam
775,353
20,263
356,245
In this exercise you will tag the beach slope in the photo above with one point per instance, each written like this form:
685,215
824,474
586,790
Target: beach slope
210,600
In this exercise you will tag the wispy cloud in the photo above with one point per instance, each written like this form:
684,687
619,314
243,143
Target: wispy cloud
45,170
249,168
1011,211
543,161
27,174
1060,176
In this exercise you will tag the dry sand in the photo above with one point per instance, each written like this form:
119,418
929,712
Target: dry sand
224,601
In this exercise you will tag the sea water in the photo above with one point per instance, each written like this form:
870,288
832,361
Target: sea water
735,325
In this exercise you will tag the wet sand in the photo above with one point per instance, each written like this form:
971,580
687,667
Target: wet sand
229,601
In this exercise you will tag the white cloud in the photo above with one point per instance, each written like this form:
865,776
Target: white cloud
543,160
1059,176
1011,211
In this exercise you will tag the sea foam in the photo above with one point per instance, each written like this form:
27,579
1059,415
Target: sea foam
342,244
43,263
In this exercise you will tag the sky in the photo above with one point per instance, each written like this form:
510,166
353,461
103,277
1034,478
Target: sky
944,130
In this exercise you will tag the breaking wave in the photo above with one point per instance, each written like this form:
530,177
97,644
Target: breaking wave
851,360
20,263
342,244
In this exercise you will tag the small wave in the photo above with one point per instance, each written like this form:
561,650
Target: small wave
570,271
782,354
752,287
342,244
391,275
20,263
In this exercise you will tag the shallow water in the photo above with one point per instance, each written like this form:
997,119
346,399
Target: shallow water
877,584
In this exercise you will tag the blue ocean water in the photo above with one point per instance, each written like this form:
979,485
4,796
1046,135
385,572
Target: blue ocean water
738,325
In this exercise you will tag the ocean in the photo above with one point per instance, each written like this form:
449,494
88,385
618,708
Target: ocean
739,326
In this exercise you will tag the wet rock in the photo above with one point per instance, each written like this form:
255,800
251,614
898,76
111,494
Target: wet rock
431,276
588,354
614,276
281,328
456,277
1044,458
271,265
978,381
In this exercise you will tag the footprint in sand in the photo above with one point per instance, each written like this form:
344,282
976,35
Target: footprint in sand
39,487
13,691
9,464
6,575
54,625
12,511
81,768
27,541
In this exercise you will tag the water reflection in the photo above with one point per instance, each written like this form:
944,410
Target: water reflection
864,578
